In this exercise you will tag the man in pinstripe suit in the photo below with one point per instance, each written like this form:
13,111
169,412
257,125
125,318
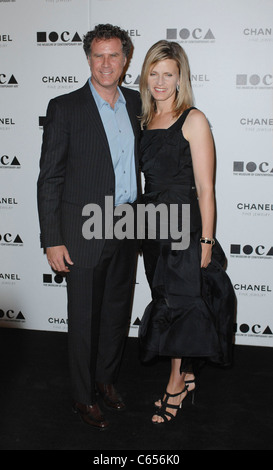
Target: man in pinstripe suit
90,151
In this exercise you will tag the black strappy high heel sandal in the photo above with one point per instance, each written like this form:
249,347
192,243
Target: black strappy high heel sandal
192,392
162,411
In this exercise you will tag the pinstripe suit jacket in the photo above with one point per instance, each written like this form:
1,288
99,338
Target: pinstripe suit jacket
76,169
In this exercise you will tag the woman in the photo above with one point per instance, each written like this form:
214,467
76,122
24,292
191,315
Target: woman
185,320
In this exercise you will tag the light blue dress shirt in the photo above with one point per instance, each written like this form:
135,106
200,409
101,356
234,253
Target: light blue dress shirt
121,140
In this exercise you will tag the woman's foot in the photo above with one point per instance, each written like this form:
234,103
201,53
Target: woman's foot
189,381
191,386
170,404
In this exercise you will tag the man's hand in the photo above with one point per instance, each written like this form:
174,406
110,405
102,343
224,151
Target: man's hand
57,256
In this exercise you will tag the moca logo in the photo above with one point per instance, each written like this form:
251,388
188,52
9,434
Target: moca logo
259,251
54,38
252,168
128,79
7,81
11,315
257,329
9,239
254,81
194,35
9,162
54,280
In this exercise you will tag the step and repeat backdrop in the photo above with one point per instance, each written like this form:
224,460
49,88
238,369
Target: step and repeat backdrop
230,49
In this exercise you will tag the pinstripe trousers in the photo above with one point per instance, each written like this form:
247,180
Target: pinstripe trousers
99,307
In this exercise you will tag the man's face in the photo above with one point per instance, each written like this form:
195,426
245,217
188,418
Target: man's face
106,63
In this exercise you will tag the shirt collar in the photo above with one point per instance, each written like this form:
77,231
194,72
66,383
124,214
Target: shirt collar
100,102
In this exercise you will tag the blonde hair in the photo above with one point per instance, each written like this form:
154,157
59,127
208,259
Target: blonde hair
163,50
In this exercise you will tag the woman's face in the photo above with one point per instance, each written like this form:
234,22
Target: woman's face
163,79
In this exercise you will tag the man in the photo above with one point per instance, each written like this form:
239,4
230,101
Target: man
90,151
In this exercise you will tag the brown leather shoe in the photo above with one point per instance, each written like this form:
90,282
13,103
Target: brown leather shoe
91,415
110,396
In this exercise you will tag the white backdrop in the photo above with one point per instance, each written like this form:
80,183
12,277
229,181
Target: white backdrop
229,45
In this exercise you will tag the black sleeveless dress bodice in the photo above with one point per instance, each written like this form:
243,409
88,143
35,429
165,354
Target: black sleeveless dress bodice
192,309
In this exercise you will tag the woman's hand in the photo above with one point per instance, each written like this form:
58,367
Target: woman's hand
206,254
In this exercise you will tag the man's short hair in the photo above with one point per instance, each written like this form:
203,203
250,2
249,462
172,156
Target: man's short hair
107,31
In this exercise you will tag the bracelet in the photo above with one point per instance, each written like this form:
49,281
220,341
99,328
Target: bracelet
209,241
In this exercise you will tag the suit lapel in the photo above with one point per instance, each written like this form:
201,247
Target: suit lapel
96,122
132,112
94,116
132,115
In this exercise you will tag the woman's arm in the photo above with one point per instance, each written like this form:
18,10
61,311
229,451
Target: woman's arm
197,131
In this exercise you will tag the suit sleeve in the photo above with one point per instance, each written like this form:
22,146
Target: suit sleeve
52,174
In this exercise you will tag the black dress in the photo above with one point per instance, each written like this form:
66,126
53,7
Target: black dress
191,314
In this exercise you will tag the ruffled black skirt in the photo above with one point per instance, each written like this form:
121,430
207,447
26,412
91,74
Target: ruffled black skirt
192,309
